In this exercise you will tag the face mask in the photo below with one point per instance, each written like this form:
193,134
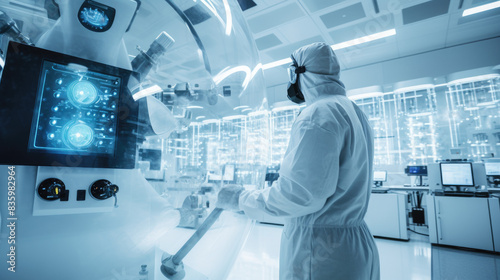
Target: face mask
293,90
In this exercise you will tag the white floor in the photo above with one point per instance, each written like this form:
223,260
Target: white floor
398,259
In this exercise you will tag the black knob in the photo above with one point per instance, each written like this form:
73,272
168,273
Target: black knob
52,189
103,189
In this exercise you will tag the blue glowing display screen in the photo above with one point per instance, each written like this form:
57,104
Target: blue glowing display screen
94,17
75,111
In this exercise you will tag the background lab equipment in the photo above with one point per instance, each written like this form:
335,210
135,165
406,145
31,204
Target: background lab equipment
386,213
459,210
492,169
379,177
90,102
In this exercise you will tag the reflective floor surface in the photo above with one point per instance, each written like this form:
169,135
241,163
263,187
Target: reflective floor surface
399,260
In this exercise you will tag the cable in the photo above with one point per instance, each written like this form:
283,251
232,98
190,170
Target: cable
418,232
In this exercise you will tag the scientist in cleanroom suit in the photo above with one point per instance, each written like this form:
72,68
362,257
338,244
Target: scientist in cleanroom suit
325,179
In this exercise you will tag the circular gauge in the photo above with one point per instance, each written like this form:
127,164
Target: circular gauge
95,16
82,93
51,189
79,135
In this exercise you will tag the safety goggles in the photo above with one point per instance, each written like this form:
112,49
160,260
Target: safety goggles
293,72
292,76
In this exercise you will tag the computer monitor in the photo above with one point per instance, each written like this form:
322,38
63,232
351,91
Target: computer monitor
416,170
456,174
492,168
380,176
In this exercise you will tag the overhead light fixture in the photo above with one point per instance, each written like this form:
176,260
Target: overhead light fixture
277,63
240,107
364,39
146,92
482,8
200,117
339,46
235,117
194,107
474,79
258,113
210,121
246,110
284,108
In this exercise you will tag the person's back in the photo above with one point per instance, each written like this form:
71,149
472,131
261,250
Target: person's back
325,179
353,136
334,241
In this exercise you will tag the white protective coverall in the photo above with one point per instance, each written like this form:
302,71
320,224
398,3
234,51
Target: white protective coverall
325,181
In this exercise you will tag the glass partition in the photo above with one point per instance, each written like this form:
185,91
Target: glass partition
474,111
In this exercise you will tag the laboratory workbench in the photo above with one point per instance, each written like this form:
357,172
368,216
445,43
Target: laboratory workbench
412,189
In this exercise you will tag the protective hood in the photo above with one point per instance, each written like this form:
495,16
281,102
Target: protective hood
322,71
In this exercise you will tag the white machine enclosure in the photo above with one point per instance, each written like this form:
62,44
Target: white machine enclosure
464,221
434,175
386,215
494,203
107,242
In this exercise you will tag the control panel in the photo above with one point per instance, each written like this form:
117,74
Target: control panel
63,190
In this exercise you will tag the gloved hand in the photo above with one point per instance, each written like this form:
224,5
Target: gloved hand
229,197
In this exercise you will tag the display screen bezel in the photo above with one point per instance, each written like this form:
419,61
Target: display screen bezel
21,74
454,185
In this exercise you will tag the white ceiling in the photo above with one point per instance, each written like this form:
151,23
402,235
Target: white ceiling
281,26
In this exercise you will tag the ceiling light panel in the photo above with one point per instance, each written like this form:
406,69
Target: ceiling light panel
298,29
481,2
343,16
480,16
316,5
363,46
425,11
267,42
274,18
362,29
286,51
246,4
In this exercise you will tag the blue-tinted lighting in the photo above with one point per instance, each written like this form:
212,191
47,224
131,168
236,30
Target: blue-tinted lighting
73,116
94,17
82,92
80,135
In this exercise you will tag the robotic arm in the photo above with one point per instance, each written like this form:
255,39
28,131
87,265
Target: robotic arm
9,27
